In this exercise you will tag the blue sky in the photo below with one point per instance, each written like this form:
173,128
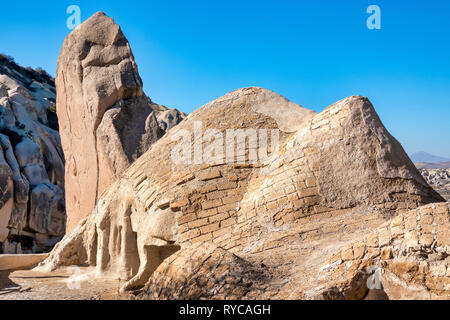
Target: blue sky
312,52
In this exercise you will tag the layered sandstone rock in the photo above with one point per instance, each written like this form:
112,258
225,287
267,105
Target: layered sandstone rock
106,120
32,213
336,177
405,258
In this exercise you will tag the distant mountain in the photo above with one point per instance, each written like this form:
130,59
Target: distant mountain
438,179
426,157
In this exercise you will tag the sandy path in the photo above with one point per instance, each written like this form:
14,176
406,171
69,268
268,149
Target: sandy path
71,283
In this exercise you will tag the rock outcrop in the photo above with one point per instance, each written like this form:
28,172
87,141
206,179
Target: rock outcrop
106,120
204,271
435,165
335,177
32,213
405,258
439,179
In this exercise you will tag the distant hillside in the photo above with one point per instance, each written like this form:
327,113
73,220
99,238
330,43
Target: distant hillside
426,157
437,165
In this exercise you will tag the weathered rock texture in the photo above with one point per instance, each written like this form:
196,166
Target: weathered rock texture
32,212
434,165
20,261
106,120
412,251
338,176
204,271
439,179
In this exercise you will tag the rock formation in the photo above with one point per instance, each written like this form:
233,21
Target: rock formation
439,179
410,255
277,222
106,120
205,271
434,165
32,213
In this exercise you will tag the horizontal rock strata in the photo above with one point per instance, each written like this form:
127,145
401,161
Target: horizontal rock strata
336,177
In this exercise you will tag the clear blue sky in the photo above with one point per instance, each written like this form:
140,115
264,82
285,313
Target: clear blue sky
312,52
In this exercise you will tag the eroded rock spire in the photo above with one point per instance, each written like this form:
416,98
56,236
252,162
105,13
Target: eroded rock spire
106,120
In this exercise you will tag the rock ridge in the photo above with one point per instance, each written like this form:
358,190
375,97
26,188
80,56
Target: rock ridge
105,117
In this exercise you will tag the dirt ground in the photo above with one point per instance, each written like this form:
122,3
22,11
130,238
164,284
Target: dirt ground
72,283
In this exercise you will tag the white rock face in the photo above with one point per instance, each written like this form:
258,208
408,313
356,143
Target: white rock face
32,206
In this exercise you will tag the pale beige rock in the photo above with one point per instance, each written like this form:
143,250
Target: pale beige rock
31,148
106,121
283,111
328,187
20,261
168,118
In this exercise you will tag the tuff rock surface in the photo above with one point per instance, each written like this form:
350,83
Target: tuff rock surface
408,256
439,179
32,211
106,120
266,228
